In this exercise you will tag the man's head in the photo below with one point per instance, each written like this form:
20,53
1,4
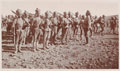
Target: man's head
54,14
88,13
65,14
48,14
69,14
19,12
37,12
26,14
76,14
103,16
83,17
112,18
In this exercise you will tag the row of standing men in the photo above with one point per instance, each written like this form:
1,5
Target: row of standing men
49,27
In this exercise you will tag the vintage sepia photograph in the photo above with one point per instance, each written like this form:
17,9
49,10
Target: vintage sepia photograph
60,34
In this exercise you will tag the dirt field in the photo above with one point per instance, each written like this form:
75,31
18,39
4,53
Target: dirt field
100,53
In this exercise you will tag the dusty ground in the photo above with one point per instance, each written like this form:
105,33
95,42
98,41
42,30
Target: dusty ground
100,53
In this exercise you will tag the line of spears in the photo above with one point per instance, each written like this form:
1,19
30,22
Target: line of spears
54,26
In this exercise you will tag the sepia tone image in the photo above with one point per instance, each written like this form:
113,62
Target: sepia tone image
60,34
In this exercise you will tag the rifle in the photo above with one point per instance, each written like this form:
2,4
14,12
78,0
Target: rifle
13,12
26,23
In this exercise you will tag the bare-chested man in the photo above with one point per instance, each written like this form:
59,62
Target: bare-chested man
54,28
36,31
47,30
65,28
18,24
26,26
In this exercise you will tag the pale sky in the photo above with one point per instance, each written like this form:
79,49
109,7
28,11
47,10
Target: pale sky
96,7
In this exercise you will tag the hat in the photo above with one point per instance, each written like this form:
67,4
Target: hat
19,12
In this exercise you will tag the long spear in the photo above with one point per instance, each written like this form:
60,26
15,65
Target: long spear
14,28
